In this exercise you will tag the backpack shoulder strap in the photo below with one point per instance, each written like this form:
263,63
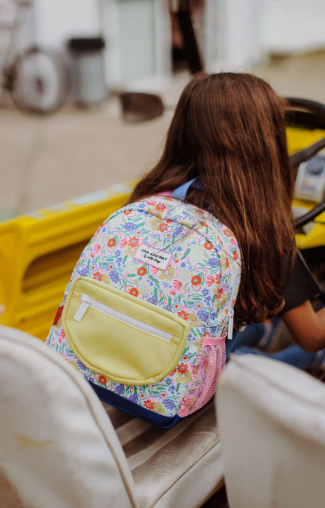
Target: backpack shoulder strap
181,191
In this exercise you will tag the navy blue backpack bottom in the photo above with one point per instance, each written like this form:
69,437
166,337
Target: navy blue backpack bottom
133,409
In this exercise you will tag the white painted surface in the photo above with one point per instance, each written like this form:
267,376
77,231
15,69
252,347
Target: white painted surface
138,35
234,33
293,26
136,38
58,20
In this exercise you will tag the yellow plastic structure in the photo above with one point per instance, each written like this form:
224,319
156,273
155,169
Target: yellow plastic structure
38,252
298,139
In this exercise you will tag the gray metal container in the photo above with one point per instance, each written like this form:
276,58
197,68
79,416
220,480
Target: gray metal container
88,72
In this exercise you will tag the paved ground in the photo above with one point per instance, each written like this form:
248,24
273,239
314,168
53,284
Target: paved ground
48,160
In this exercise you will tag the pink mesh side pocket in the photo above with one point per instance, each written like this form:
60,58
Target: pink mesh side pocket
210,362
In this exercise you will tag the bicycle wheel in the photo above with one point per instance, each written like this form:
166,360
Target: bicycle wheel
38,82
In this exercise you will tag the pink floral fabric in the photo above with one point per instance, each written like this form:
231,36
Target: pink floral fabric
200,285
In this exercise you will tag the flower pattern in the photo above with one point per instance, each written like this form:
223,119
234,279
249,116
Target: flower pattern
199,285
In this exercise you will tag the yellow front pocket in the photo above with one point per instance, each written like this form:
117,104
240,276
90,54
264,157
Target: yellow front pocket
117,335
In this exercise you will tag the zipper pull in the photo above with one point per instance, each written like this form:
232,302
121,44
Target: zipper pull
85,299
230,324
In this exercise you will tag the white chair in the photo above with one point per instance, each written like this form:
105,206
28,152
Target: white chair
59,449
272,424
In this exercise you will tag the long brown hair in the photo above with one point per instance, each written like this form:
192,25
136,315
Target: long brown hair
229,129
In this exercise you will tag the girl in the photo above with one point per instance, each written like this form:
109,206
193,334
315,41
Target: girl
228,134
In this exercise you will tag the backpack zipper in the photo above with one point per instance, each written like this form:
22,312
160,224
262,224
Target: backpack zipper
87,301
230,324
231,311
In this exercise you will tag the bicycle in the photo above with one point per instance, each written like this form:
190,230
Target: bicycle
35,77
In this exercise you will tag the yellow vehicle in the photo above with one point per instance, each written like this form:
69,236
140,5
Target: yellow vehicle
306,139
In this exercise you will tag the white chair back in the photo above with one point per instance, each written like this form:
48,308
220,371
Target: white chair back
272,424
58,448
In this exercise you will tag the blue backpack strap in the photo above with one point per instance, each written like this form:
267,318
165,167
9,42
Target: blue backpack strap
181,191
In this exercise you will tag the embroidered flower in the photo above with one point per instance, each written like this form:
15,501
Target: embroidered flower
196,280
133,398
219,293
182,314
163,227
133,241
119,389
144,287
134,292
102,380
81,365
153,299
111,242
204,224
148,404
182,368
214,262
123,242
97,276
127,212
114,276
161,207
130,226
208,245
169,403
203,315
177,284
235,255
184,275
142,271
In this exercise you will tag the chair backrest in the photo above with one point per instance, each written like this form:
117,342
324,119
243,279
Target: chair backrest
58,447
272,425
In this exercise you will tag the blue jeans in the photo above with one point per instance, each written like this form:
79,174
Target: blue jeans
245,343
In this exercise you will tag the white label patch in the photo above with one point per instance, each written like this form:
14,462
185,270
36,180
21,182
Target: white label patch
154,257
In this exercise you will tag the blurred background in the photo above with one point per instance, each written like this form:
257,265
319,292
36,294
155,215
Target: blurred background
63,64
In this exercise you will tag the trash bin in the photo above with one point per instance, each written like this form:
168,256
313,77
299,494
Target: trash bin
88,72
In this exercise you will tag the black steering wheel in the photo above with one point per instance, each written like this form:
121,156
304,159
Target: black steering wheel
309,114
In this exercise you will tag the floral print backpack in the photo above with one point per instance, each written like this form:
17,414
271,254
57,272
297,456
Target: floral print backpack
149,305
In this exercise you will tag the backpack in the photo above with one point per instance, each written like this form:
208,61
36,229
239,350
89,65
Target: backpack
147,310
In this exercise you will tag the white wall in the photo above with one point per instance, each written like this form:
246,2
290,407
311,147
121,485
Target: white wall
138,35
241,32
293,26
234,29
58,20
